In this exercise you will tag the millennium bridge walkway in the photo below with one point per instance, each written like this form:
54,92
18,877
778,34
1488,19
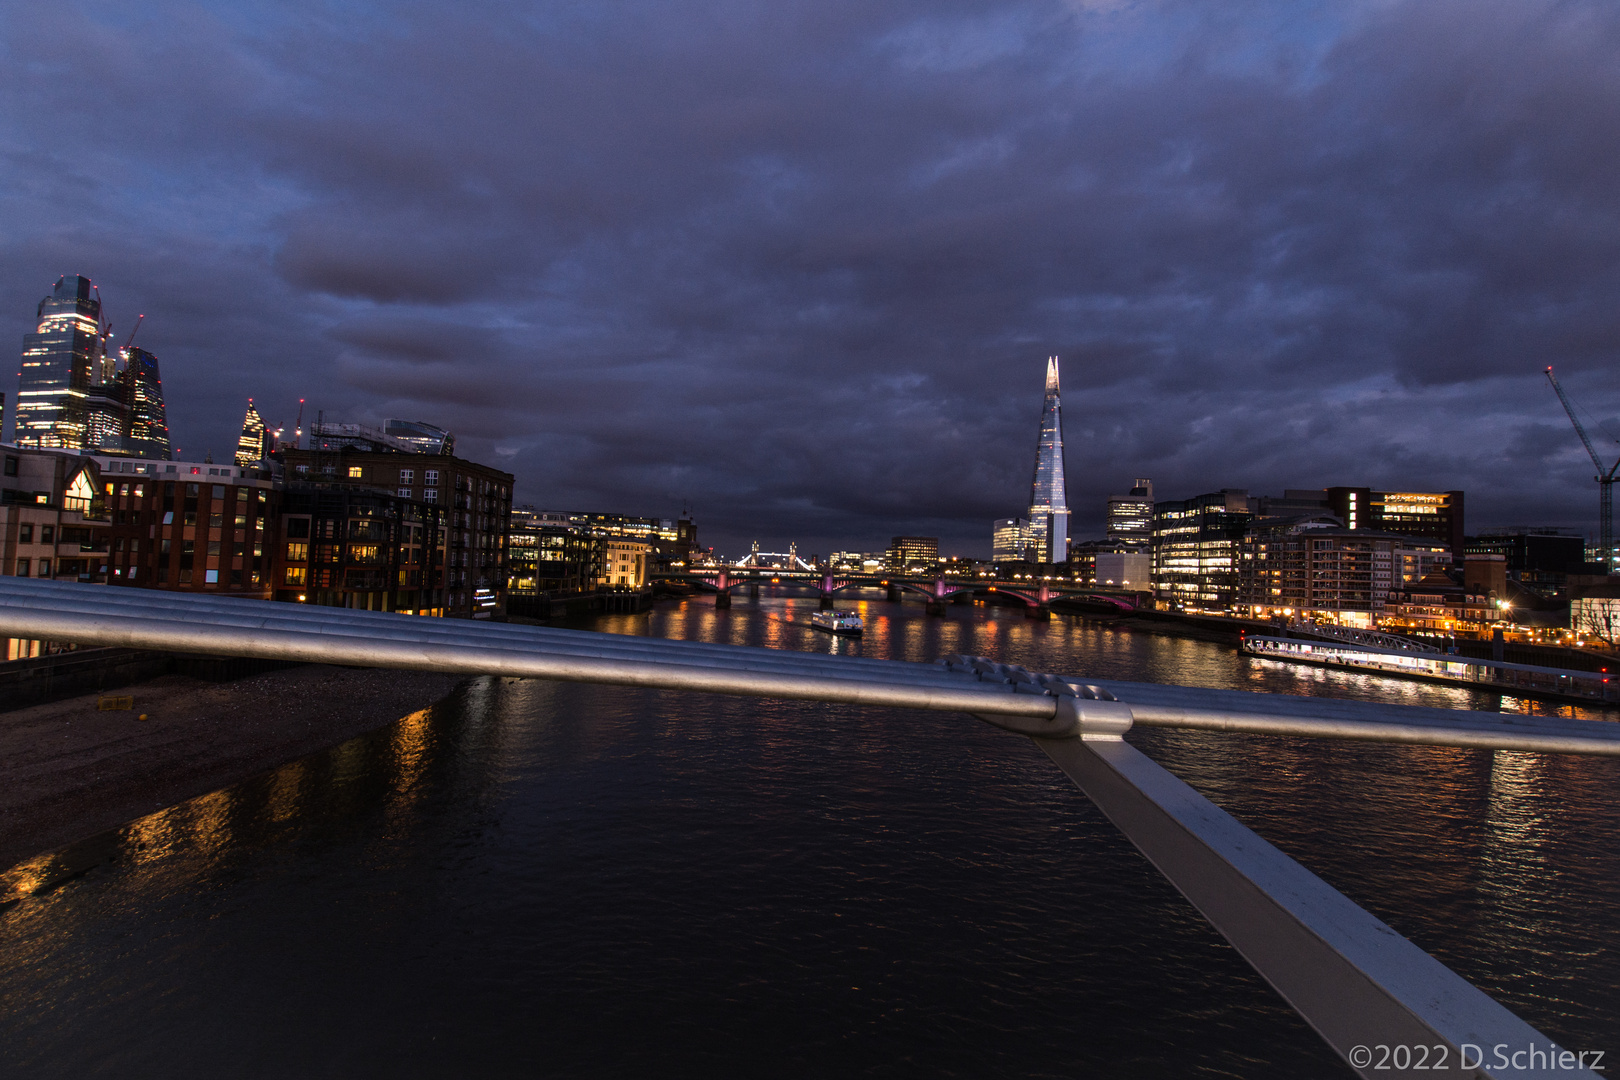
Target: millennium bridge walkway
1360,985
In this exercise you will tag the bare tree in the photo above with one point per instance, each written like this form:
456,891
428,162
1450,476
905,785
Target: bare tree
1596,617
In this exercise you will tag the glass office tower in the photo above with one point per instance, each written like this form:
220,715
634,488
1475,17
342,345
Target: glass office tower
61,360
1048,501
148,431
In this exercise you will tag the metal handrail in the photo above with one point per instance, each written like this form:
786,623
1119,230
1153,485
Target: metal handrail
1353,978
1151,704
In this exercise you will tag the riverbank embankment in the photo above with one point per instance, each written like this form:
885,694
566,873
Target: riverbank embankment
70,769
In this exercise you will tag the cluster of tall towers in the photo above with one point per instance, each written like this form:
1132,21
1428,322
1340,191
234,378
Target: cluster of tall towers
77,393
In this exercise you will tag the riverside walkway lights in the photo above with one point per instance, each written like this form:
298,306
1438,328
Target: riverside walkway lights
1376,998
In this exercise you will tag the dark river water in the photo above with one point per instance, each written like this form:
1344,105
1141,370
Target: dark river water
552,880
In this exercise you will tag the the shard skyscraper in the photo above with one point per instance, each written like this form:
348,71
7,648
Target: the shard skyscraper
1048,502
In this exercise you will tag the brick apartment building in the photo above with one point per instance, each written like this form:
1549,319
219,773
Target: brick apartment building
189,526
386,530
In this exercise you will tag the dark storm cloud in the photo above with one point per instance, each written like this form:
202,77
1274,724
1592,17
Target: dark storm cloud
801,265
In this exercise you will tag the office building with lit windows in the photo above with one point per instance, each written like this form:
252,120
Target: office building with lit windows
1010,540
912,554
1130,517
61,360
1196,549
147,435
1436,516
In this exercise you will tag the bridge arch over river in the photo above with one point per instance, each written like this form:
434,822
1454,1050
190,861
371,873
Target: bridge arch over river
1037,597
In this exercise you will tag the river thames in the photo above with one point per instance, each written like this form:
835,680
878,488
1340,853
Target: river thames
562,880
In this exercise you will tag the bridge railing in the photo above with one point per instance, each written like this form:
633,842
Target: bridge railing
1355,980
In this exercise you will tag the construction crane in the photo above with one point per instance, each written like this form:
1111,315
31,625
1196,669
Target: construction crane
129,341
1605,477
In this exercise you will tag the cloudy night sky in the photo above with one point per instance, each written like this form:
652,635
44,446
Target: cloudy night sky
800,265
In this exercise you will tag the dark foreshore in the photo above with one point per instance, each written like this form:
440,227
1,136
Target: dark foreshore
70,769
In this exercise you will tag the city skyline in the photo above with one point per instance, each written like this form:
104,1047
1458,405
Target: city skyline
691,261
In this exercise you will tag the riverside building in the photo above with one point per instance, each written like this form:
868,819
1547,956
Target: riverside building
1315,568
912,554
548,557
393,529
1196,549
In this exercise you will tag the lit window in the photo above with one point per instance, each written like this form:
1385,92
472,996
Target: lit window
211,577
355,472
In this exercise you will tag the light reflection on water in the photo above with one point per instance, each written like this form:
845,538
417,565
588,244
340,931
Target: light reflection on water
590,880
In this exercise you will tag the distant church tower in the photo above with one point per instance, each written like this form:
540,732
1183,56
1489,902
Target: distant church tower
1048,502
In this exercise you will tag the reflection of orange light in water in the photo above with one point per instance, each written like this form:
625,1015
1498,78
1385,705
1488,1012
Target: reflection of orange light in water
410,749
152,836
285,783
25,878
211,821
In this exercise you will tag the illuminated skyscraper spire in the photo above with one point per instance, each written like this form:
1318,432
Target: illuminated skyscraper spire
254,445
1048,502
